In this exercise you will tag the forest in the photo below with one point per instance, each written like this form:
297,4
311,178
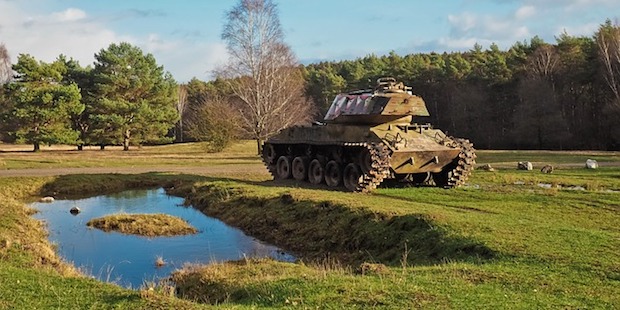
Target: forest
535,95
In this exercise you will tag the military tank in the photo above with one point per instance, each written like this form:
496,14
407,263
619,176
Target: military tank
366,137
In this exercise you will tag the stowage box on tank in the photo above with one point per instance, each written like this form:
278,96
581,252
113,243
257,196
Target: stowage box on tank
368,136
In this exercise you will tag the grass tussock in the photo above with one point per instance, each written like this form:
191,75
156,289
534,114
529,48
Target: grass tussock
149,225
23,240
216,283
267,283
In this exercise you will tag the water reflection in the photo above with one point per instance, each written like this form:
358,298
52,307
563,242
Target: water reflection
130,260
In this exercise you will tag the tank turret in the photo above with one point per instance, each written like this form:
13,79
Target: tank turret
387,102
366,137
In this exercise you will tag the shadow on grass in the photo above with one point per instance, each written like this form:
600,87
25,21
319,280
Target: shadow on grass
317,229
312,229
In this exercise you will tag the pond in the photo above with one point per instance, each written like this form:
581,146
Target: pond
129,260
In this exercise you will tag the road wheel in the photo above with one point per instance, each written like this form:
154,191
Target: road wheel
365,159
333,174
316,172
456,173
284,167
442,178
352,177
300,168
269,153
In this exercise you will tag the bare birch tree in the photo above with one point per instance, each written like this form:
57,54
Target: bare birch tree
608,41
6,71
181,107
262,70
543,62
6,75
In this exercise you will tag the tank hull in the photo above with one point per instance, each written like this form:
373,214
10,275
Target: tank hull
407,152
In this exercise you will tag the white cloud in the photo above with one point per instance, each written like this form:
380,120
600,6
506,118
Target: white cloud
45,36
569,6
186,60
469,28
525,12
486,27
76,34
463,22
196,60
458,44
70,14
579,30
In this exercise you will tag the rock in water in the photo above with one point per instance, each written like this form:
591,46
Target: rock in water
75,210
47,199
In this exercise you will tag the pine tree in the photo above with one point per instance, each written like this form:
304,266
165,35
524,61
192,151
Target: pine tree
134,100
43,103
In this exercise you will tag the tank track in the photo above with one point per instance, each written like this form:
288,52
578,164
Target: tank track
380,168
457,173
372,173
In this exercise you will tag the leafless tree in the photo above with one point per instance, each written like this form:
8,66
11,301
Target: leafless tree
6,72
543,62
608,41
181,107
262,70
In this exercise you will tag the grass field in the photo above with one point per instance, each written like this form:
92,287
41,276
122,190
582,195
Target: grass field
189,154
194,154
510,239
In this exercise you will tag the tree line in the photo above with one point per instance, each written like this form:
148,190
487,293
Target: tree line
124,98
535,95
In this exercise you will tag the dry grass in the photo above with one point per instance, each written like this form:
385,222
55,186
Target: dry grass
217,283
159,261
21,235
150,225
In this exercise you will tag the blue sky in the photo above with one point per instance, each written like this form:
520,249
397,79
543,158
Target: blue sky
184,35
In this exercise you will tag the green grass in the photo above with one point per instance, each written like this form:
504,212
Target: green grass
502,242
541,158
35,289
240,153
499,244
